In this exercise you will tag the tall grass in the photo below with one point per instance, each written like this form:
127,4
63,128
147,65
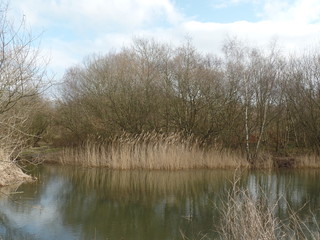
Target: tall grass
151,151
309,161
247,218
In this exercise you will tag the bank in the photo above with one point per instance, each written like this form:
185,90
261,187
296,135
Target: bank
11,174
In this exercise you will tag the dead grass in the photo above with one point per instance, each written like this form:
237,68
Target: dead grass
169,152
308,161
151,151
243,219
247,218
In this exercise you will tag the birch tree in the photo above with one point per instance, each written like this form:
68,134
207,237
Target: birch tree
237,61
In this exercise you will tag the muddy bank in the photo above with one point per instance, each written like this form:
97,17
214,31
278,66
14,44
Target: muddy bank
11,174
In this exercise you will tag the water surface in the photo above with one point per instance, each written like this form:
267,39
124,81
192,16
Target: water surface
80,203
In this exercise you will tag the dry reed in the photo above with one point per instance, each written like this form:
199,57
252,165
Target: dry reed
246,218
308,161
151,151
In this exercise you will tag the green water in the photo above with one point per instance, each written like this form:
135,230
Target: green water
77,203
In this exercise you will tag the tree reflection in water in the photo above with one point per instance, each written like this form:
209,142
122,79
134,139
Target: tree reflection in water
79,203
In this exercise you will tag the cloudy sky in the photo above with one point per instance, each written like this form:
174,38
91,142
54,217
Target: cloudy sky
73,29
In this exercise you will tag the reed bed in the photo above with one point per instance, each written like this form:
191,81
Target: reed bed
151,151
308,161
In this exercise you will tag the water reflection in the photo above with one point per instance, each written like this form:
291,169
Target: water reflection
78,203
291,191
35,213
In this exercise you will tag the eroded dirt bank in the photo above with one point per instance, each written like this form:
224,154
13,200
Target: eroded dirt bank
11,174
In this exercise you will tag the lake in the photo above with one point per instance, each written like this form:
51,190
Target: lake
80,203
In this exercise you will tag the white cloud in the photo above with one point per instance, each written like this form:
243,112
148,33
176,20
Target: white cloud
97,13
90,26
293,37
299,11
109,24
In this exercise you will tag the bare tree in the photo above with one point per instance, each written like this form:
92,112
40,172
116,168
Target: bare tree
251,99
258,75
22,75
237,67
303,99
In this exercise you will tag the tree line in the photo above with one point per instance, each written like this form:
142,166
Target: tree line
255,99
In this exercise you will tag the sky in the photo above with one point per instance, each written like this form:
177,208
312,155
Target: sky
73,29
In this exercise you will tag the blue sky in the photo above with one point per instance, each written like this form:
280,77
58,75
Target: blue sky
219,11
74,29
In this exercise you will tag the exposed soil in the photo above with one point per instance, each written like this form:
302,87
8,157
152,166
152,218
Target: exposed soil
11,174
284,162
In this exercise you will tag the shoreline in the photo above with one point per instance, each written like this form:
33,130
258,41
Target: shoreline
143,157
82,157
11,174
